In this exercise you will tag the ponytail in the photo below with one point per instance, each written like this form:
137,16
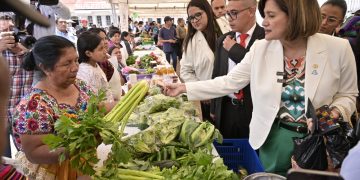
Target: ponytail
29,63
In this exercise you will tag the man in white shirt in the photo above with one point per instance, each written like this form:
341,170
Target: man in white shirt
218,7
232,113
62,30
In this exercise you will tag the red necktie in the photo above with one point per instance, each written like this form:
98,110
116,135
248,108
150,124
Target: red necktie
240,95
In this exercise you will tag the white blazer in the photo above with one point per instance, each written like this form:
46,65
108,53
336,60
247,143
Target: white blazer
197,62
330,78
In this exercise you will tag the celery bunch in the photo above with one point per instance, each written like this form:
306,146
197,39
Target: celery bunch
123,109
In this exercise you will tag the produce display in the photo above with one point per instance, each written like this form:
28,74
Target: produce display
172,145
173,142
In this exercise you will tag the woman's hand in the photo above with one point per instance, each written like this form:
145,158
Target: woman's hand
310,125
174,89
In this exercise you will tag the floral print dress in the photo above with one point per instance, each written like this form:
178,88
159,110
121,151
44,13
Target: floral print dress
37,111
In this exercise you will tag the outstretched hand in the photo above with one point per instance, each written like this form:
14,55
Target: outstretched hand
174,89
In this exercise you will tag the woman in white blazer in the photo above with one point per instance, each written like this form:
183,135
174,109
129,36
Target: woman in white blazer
293,63
199,46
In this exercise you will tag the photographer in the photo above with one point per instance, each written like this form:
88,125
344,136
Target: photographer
20,80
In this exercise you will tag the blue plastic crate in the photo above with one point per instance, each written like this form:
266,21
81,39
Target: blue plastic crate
238,152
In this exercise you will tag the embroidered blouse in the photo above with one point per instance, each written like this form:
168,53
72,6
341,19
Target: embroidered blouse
292,108
37,111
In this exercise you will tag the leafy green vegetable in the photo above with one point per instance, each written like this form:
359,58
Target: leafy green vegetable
131,60
82,133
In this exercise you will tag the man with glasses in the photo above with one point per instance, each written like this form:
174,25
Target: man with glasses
61,30
219,9
232,113
332,13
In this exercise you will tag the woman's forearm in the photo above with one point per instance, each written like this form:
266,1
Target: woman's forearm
43,155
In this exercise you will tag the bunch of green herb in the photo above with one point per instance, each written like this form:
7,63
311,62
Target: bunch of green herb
82,133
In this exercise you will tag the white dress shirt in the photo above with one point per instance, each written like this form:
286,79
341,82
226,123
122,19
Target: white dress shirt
231,63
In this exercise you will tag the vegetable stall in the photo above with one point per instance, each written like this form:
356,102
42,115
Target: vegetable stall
147,135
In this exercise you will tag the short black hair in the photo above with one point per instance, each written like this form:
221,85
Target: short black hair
111,49
87,41
97,30
112,32
47,52
339,3
123,35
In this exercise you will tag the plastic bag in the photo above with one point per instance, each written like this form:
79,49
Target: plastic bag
339,142
339,135
310,152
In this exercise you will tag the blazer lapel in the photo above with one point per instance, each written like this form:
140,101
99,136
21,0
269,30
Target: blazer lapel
275,62
316,59
256,34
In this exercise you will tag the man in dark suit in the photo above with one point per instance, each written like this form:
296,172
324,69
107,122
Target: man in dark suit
232,113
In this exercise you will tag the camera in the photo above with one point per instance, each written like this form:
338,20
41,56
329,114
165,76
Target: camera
46,2
24,39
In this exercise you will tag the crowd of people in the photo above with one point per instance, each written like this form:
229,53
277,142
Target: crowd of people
253,80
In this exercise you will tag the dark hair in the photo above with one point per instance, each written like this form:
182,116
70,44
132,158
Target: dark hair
111,49
113,32
339,3
46,52
112,27
304,17
97,30
214,0
87,41
123,35
209,32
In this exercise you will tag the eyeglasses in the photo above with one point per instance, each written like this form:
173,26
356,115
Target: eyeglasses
195,18
233,14
330,19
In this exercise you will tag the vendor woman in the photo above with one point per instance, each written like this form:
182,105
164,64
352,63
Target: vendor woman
58,90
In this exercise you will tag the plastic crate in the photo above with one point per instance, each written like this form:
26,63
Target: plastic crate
238,152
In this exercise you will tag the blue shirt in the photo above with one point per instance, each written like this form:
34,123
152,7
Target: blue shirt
167,34
68,35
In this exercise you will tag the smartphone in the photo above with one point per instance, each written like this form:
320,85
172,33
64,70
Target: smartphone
307,174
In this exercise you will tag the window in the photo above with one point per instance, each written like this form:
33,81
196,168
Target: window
99,22
108,20
90,19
